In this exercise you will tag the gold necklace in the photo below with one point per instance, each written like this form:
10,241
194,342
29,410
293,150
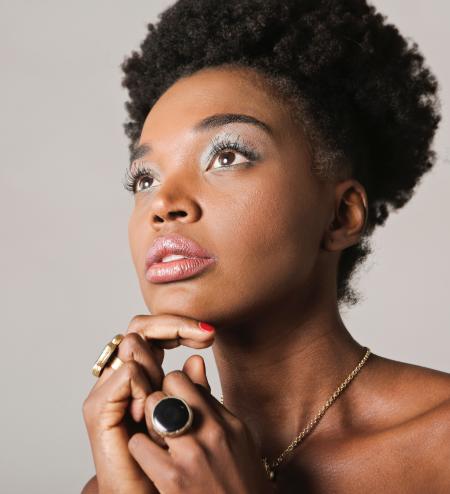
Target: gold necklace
270,468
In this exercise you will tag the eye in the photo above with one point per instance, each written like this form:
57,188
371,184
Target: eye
138,178
226,159
225,151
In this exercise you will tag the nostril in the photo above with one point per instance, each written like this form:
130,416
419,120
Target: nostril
177,213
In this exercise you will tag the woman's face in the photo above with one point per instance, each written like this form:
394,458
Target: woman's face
263,221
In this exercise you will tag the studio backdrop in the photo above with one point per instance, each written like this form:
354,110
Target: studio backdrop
67,280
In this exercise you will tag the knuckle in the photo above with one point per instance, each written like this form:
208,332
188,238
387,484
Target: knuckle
237,425
174,478
130,343
134,338
131,369
216,435
86,407
89,410
194,454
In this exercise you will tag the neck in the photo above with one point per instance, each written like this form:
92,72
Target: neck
278,370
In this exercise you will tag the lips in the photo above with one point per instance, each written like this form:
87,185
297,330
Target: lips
175,244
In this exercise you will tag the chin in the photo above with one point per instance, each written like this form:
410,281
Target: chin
191,308
180,303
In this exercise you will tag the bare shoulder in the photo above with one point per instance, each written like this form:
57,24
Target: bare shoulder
91,486
398,435
421,389
415,404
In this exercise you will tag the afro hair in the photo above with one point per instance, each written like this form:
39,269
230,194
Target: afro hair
363,93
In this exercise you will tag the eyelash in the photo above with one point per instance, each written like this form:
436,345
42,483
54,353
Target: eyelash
132,177
219,144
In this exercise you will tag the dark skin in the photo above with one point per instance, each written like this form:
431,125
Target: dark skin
280,344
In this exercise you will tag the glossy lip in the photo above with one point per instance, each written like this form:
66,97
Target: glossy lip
174,243
180,269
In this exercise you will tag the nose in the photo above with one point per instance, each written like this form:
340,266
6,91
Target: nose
171,203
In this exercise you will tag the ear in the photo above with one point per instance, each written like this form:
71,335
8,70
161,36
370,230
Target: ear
195,368
349,217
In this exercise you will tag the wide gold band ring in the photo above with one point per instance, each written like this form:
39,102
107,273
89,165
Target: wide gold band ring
106,355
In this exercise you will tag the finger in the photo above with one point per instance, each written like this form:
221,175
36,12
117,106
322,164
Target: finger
150,402
184,444
195,368
154,461
109,402
176,342
209,413
177,383
135,347
179,330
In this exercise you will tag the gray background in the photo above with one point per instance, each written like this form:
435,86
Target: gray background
67,280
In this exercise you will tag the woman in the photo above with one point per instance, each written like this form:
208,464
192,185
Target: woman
268,140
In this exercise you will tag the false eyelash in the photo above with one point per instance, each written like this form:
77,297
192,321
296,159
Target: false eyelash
220,143
133,175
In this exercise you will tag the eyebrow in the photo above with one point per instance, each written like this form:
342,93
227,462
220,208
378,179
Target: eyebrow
207,123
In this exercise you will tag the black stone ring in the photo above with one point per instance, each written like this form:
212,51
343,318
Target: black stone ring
172,416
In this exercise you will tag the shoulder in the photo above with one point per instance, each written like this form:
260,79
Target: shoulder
402,393
393,434
419,389
91,487
399,427
412,416
429,392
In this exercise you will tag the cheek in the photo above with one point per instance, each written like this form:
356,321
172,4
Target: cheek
136,239
270,236
265,232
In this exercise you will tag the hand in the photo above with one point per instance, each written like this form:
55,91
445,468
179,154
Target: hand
114,408
216,455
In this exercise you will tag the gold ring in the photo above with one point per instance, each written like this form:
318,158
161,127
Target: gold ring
105,356
115,363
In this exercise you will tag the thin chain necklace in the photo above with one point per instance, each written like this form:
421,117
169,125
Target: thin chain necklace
270,467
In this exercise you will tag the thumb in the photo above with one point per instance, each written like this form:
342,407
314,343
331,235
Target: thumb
195,368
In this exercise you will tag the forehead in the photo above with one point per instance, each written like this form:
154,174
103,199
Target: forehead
214,91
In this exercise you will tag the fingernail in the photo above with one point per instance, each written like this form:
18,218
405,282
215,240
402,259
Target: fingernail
206,327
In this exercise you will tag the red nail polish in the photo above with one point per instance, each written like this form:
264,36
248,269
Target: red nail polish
206,327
